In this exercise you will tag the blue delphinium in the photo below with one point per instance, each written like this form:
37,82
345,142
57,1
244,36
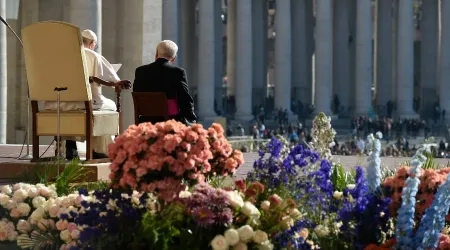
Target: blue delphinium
373,168
283,166
405,219
433,221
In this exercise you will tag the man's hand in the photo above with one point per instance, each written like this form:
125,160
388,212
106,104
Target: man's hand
124,84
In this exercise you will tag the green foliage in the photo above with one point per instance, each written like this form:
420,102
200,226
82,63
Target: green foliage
340,177
73,172
161,230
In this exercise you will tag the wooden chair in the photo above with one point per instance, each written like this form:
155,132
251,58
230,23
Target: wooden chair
54,57
150,104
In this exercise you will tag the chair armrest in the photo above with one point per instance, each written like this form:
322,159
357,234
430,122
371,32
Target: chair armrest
118,86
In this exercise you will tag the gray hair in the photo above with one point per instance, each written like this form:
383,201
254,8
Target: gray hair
167,49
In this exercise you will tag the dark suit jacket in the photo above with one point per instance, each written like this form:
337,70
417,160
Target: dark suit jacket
161,76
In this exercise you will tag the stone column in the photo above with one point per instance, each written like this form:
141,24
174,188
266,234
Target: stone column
13,80
405,60
244,74
341,52
3,76
394,50
87,14
445,58
363,57
231,48
383,52
219,57
299,51
144,16
207,60
171,25
428,57
189,41
259,29
309,15
283,53
352,48
323,67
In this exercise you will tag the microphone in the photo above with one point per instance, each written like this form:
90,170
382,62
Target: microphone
9,27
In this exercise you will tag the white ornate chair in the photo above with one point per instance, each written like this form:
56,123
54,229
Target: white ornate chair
54,57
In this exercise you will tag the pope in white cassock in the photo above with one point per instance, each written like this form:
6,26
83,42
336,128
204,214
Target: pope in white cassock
99,67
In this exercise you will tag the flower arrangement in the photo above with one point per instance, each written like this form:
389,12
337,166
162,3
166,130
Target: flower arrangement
165,156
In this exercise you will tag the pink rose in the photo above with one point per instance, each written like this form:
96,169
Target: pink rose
186,146
72,226
62,225
3,235
15,213
75,234
114,167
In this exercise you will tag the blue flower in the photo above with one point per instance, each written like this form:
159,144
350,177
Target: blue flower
405,219
433,221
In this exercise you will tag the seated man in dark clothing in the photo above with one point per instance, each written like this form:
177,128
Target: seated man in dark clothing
162,76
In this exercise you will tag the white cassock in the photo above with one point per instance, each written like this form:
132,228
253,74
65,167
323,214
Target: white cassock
99,67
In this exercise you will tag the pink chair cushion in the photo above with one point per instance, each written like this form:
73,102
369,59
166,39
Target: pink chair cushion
173,106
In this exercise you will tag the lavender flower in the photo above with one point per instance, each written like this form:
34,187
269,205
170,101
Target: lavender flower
433,221
373,168
405,220
203,216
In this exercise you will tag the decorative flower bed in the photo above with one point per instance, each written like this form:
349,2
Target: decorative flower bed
168,192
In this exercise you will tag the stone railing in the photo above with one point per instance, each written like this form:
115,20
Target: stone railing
246,143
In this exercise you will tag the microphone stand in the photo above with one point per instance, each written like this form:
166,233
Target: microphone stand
27,156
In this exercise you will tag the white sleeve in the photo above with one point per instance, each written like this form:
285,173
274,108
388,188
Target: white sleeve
107,71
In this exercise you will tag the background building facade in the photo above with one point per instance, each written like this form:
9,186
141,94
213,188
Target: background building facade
240,55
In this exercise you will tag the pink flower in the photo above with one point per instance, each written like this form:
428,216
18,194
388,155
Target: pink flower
54,211
141,172
61,225
15,213
3,235
186,146
114,167
72,226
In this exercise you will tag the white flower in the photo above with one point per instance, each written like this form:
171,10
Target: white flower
75,234
11,204
43,224
65,236
295,214
321,231
232,236
250,210
219,243
332,144
38,201
3,199
20,195
38,214
351,186
184,194
5,189
287,222
265,205
23,226
246,233
33,192
379,135
24,209
337,225
350,198
381,214
266,245
12,235
67,202
337,195
240,246
236,200
260,237
45,191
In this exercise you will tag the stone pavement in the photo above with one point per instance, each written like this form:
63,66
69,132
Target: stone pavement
348,162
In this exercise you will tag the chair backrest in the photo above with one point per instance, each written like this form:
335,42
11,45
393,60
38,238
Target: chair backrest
54,57
150,104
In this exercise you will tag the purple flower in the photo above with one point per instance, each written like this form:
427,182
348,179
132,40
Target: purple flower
225,217
203,216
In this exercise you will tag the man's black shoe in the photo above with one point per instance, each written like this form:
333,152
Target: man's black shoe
96,155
